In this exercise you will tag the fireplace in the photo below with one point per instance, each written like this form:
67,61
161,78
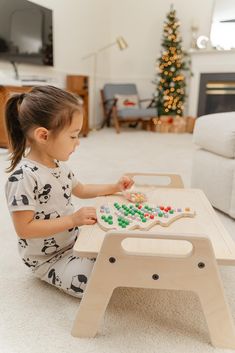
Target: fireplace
216,93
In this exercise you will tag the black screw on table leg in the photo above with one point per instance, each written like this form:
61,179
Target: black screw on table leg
155,277
112,260
201,265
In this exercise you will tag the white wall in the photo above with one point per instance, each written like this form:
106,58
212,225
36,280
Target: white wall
142,25
83,26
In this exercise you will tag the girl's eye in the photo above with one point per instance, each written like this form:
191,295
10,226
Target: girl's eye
74,137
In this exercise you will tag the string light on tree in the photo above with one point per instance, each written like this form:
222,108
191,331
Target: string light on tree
170,90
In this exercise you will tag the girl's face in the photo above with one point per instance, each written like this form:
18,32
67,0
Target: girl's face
65,143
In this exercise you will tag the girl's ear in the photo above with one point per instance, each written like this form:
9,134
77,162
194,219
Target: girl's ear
41,134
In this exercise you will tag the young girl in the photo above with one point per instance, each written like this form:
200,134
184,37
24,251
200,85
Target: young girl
45,124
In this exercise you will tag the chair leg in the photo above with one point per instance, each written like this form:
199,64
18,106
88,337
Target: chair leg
105,122
149,126
146,125
116,123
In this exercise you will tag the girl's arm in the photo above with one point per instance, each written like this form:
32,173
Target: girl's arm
28,228
86,191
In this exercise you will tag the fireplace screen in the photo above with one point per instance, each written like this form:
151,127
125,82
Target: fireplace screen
217,93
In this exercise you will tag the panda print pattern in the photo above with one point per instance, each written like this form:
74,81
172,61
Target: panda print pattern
70,274
22,200
47,192
67,193
50,246
44,194
30,263
22,243
43,215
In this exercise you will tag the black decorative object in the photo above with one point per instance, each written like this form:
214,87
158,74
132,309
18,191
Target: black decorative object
48,50
3,46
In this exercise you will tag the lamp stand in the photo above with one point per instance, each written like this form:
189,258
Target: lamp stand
122,44
94,90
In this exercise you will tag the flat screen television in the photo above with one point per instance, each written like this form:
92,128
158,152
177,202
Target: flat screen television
26,32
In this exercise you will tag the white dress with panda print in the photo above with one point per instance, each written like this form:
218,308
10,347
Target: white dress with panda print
47,192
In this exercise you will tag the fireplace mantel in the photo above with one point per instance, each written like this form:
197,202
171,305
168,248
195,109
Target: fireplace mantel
210,51
207,61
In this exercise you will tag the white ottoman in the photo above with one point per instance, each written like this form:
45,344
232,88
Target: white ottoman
213,168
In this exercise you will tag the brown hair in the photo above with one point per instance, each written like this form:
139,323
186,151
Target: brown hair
45,106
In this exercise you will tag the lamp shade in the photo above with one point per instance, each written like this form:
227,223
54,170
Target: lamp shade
122,44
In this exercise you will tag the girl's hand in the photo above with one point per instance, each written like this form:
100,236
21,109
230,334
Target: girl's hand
124,183
85,215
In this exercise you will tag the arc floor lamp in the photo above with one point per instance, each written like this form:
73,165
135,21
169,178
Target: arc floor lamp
122,45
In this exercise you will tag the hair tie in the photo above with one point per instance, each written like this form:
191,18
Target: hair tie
22,96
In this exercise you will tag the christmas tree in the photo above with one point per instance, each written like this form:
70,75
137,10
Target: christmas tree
170,92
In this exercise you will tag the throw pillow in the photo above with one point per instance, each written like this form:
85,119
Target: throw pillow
127,101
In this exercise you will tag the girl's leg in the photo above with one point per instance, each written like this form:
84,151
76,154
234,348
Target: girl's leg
70,273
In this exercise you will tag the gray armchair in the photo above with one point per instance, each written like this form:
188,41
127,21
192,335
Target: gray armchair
129,112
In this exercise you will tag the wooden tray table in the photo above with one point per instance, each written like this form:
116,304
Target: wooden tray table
181,256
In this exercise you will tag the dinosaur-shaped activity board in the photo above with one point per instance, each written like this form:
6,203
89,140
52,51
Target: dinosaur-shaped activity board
138,216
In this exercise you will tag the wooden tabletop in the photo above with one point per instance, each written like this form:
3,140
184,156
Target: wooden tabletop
206,222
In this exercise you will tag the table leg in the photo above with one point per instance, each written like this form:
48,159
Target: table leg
92,306
195,271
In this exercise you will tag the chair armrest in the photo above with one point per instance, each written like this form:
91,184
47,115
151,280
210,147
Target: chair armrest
145,99
114,100
152,101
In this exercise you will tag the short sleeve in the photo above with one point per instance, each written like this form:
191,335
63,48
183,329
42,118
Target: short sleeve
20,190
74,179
71,176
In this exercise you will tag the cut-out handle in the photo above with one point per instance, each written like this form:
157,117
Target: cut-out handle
190,244
157,247
161,180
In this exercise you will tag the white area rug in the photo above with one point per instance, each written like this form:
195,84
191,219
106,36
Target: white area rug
38,318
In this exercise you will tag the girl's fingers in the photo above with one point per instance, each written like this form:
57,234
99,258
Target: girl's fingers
90,221
91,209
91,214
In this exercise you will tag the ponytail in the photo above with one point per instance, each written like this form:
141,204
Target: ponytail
15,133
43,106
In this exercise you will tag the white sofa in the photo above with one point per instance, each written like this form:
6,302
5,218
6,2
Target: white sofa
213,168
